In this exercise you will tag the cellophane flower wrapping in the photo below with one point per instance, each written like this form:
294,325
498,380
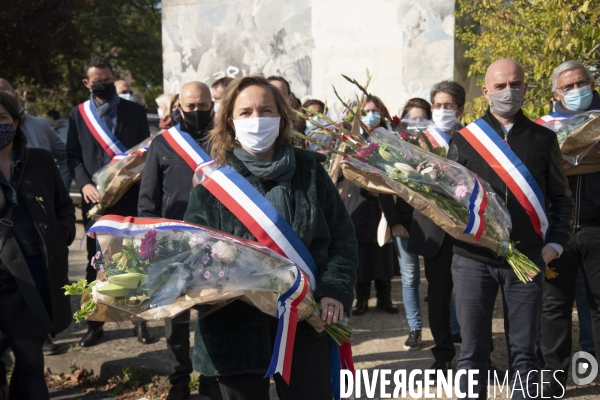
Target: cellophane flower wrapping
115,178
158,272
419,131
578,138
437,187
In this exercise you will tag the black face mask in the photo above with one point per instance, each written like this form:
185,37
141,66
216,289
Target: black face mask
197,120
104,91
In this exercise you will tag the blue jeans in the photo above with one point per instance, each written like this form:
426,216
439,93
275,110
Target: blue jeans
411,278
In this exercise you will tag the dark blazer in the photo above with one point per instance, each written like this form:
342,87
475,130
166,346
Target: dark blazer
54,218
426,238
237,338
166,183
85,155
396,212
538,149
364,211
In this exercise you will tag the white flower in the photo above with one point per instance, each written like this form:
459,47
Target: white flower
198,239
224,252
404,167
429,171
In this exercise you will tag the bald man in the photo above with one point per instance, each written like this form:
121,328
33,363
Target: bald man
164,192
539,203
124,90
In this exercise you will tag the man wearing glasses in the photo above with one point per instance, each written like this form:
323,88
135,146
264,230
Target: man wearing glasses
573,89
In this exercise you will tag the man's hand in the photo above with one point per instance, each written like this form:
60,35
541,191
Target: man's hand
549,254
400,231
90,193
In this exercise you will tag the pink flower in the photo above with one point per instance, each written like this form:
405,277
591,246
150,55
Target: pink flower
97,255
93,262
460,191
149,245
200,267
221,274
205,258
368,151
207,274
101,268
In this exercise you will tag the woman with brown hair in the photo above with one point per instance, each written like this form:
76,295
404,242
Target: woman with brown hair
252,135
37,225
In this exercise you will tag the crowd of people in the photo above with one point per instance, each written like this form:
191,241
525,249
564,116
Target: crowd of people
247,123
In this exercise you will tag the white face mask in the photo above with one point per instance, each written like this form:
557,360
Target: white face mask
257,134
216,107
444,119
126,96
161,113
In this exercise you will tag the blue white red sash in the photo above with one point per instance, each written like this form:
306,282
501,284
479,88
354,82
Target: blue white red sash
552,117
265,223
437,137
107,140
511,170
186,147
477,206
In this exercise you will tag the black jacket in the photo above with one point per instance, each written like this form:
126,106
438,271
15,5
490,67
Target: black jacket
538,149
166,182
399,212
43,193
426,238
585,188
85,156
364,211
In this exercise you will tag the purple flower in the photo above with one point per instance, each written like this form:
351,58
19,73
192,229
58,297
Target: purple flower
93,262
200,267
368,151
221,274
207,274
149,245
97,255
101,267
205,258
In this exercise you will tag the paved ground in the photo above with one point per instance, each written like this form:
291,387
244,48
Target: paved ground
377,343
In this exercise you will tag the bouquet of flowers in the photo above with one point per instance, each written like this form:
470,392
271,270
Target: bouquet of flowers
115,178
462,204
578,137
422,132
151,269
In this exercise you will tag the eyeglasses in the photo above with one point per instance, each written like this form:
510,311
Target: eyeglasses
571,86
445,106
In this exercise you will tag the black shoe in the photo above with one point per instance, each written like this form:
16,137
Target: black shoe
49,348
386,306
209,387
91,337
361,307
179,392
142,333
552,388
457,339
414,341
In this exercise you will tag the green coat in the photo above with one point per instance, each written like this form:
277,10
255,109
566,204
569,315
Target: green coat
238,338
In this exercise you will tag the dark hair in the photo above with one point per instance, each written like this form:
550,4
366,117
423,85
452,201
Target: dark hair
282,80
314,102
379,104
53,114
417,102
222,82
96,62
452,88
10,102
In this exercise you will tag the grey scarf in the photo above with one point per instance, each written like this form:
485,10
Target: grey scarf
107,112
281,170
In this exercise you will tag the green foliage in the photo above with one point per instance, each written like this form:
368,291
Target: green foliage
47,43
539,34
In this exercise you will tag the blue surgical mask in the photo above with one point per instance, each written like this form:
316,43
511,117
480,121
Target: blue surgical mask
371,119
126,96
579,99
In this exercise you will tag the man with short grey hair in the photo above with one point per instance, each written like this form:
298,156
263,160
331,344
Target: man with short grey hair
573,89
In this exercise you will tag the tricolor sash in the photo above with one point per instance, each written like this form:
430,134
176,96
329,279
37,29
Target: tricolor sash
477,206
496,152
269,228
105,138
552,117
437,137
